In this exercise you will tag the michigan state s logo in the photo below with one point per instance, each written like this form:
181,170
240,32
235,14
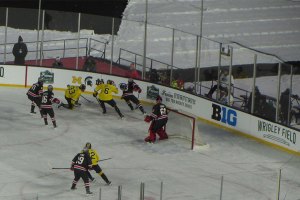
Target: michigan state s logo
224,114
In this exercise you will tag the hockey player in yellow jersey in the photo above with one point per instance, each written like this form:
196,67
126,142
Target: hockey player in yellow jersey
103,92
95,159
73,93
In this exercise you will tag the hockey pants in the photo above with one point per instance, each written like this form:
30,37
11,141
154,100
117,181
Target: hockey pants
159,130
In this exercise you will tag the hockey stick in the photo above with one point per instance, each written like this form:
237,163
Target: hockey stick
60,168
86,99
104,159
138,97
70,168
98,101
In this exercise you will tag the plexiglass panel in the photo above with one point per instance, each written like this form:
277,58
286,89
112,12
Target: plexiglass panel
267,84
59,40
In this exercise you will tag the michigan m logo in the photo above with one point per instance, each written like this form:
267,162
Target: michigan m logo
76,80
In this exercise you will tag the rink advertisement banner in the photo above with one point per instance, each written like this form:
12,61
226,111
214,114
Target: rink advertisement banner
12,75
224,114
173,98
60,78
276,133
179,99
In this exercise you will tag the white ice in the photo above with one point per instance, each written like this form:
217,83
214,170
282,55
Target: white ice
29,150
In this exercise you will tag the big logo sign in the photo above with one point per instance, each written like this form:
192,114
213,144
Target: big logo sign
224,114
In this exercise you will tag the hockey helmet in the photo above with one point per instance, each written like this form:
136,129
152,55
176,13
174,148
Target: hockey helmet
123,86
85,150
88,145
41,80
130,80
50,88
110,82
99,81
158,99
82,87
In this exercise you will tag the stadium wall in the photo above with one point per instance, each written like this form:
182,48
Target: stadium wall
270,133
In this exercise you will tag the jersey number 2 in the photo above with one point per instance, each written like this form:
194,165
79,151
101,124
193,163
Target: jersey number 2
163,111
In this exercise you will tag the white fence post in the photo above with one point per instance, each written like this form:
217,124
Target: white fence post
278,185
100,193
221,190
161,190
142,191
119,192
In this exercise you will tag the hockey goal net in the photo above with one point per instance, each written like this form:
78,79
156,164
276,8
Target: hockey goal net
183,125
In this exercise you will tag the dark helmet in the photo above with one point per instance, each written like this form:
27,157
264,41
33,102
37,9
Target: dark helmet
41,80
82,87
85,150
158,99
130,80
110,82
50,88
123,86
88,145
99,81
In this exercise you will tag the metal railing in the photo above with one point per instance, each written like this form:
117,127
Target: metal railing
61,47
203,52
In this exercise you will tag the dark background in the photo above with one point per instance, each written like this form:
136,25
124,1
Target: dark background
112,8
95,14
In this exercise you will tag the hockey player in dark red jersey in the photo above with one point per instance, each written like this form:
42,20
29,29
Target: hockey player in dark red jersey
158,119
34,94
128,95
46,105
81,163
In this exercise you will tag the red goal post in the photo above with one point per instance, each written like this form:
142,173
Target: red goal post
183,125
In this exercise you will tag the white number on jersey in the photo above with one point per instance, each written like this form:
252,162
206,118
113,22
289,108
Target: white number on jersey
44,100
80,160
163,110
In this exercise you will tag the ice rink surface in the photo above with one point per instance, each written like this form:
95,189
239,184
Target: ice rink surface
29,150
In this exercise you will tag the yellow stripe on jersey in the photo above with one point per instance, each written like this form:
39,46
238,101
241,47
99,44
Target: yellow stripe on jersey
106,91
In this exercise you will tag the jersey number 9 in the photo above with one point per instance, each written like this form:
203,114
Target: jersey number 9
80,160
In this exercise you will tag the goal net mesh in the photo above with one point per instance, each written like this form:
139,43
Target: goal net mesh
184,126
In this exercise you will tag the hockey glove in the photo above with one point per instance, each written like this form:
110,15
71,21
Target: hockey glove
139,90
148,119
57,101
